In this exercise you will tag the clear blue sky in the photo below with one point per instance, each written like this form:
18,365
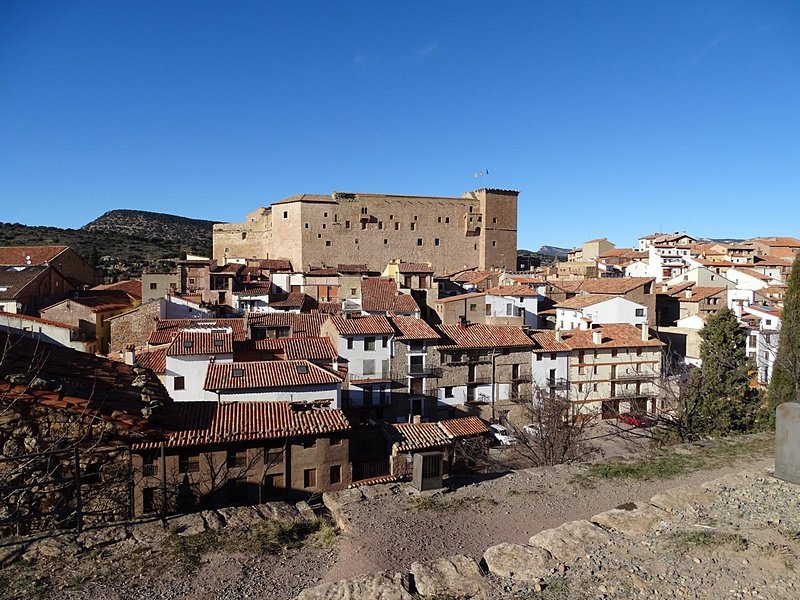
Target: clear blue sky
614,119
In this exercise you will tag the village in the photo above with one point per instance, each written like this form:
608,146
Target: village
280,368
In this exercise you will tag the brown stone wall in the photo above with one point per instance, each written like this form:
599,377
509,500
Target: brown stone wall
133,327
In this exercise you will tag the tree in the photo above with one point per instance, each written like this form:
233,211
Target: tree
785,384
724,400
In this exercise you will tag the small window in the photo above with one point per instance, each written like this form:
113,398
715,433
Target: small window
327,242
153,286
356,240
435,241
353,291
470,208
494,220
385,241
447,219
347,224
349,343
639,312
553,356
473,307
363,210
448,392
306,225
391,217
237,372
439,219
369,343
380,224
309,442
188,343
310,478
179,383
336,474
219,343
286,214
419,241
385,341
494,243
413,226
336,440
227,250
363,224
397,226
319,236
325,215
149,499
369,369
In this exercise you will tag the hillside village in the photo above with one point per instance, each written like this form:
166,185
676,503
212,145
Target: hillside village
335,341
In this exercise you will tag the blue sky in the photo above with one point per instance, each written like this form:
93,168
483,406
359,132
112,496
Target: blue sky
615,118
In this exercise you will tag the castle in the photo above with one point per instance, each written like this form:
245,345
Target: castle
310,230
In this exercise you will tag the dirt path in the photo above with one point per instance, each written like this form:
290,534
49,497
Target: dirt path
389,532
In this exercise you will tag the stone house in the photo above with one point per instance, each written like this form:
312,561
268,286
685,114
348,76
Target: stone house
242,453
485,368
479,228
28,289
51,332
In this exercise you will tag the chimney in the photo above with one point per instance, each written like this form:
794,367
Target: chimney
558,335
462,321
687,293
130,355
597,337
417,419
645,332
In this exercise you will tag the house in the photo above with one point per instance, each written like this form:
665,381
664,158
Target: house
469,307
510,301
51,332
485,368
189,356
640,290
582,312
763,325
590,251
90,314
365,345
613,368
415,370
748,279
28,289
549,364
462,441
782,247
382,296
63,259
227,454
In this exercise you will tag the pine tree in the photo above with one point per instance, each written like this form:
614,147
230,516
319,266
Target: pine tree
725,401
785,383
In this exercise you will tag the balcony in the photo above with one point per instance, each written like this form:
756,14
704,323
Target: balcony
479,379
419,371
632,376
521,379
376,375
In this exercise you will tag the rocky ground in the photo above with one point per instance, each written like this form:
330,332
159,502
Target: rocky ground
742,544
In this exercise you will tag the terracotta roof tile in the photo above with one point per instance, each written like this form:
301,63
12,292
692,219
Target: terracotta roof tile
275,264
464,427
297,348
411,328
583,301
477,335
18,255
411,268
613,285
212,423
406,437
96,303
367,325
193,343
266,374
298,300
461,297
545,340
512,290
5,316
322,272
378,295
258,289
615,335
155,360
132,287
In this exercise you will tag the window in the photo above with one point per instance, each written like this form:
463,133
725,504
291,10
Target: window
639,312
369,343
363,224
149,499
310,478
369,367
447,219
385,341
385,241
325,215
397,226
272,456
415,217
227,250
336,440
306,225
448,392
538,357
494,219
380,224
327,242
349,343
188,463
237,458
336,474
309,442
435,241
347,224
488,310
494,243
286,214
356,240
419,241
439,220
413,226
553,356
154,286
179,383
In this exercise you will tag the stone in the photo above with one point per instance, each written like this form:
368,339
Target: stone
685,496
371,492
380,586
213,520
787,442
103,536
240,517
50,548
148,532
454,576
281,511
8,554
571,540
635,519
305,510
336,503
523,563
185,525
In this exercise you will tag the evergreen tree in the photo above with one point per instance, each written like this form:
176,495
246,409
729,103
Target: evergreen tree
725,401
785,383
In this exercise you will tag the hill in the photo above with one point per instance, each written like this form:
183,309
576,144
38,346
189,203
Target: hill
122,242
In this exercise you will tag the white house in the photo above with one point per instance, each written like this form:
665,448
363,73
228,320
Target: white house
50,332
188,358
366,344
581,312
549,364
763,325
702,277
273,381
255,300
747,279
514,301
666,261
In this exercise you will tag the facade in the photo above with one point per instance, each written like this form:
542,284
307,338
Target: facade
581,312
51,332
479,228
62,258
189,357
90,314
28,289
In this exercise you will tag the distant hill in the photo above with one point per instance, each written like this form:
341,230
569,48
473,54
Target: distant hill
122,242
553,251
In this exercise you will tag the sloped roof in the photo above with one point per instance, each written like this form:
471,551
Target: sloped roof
545,341
297,348
35,320
212,423
412,328
476,335
167,329
13,281
266,374
95,303
362,325
132,287
18,255
613,335
415,268
155,360
406,437
512,290
193,343
378,295
613,285
701,293
297,300
461,297
306,198
578,302
787,242
275,264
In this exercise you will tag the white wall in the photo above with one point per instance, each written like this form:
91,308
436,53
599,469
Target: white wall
613,310
193,369
307,393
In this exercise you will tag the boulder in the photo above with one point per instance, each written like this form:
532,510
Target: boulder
523,563
280,511
240,517
380,586
455,576
103,536
683,497
571,540
633,519
185,525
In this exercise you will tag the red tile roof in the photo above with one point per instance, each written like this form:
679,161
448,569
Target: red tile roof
132,287
615,335
155,360
38,255
415,268
275,264
193,343
411,328
545,341
298,348
461,297
297,300
378,295
4,316
322,272
96,303
266,374
583,301
236,325
212,423
368,325
512,290
406,437
258,289
613,285
477,335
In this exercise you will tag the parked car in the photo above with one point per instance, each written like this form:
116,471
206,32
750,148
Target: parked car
633,419
535,430
501,435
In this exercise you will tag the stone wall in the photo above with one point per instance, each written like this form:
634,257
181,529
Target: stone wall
134,327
